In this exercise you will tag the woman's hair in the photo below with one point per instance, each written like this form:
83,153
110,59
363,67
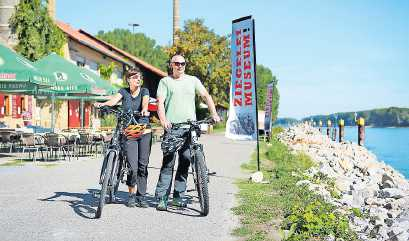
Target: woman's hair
133,71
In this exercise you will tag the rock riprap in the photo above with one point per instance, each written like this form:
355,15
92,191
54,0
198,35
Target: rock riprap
361,182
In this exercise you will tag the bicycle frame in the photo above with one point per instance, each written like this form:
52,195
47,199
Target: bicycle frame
115,164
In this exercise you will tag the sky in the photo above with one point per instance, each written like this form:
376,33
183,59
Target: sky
328,56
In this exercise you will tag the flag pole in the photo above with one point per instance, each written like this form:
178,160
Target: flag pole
255,93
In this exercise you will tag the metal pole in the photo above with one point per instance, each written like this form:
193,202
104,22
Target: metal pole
52,112
82,113
255,93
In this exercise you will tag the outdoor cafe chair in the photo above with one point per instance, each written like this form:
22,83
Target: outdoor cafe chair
57,144
8,139
84,143
31,142
97,141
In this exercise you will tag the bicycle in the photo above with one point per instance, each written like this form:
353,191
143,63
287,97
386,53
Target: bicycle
172,142
115,165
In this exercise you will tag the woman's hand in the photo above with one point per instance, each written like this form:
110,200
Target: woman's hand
98,105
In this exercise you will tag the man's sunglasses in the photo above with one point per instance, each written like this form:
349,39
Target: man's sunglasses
180,63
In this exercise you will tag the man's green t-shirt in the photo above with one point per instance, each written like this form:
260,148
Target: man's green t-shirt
179,97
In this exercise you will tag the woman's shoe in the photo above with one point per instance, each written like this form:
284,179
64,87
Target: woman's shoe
141,202
131,200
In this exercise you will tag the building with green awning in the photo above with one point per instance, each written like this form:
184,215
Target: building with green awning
77,86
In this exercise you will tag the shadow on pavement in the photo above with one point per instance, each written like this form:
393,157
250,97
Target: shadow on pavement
186,211
84,204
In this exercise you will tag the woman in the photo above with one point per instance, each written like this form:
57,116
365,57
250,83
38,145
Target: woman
135,98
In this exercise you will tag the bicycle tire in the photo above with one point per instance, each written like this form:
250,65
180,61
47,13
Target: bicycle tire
116,178
202,182
106,176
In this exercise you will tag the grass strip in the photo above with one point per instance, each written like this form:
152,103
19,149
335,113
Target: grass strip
280,209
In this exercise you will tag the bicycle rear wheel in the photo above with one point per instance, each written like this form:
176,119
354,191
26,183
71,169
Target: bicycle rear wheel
106,175
202,182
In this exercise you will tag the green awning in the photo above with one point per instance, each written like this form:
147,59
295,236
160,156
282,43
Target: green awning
19,75
71,79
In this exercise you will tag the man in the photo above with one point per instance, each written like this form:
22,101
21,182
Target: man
176,103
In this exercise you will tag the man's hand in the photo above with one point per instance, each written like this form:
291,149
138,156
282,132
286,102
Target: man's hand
216,118
145,113
166,124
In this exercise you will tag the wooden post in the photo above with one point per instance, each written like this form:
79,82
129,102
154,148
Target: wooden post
320,126
361,131
334,133
328,128
341,125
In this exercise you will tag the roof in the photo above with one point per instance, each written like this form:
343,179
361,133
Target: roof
108,49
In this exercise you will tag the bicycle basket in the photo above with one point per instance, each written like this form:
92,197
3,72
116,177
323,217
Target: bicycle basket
133,132
172,142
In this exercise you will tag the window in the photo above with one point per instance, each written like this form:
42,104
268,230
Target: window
92,65
79,60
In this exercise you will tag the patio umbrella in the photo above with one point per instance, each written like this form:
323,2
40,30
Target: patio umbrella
19,75
72,81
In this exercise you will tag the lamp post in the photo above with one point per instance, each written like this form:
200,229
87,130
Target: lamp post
133,26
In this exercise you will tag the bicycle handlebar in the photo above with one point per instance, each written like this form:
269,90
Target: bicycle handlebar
207,120
119,111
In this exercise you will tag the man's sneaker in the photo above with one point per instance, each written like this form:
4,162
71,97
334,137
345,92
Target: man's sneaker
141,202
163,204
131,200
178,202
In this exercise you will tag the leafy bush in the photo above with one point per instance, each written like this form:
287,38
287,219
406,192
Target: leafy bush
108,120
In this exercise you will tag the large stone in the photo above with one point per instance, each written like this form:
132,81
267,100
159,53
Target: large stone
256,177
387,181
388,184
359,197
347,200
303,182
346,165
392,193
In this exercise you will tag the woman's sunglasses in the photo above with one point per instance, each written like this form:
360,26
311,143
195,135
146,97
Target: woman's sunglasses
180,63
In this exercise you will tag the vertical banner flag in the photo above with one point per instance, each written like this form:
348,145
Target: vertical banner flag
268,108
242,121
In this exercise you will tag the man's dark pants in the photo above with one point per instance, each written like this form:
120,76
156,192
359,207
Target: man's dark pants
166,174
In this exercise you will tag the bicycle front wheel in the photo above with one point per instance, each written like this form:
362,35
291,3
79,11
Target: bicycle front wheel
202,182
106,175
116,178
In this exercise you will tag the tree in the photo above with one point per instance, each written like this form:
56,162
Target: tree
106,70
208,57
137,44
37,34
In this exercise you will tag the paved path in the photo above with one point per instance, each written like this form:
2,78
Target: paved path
56,203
